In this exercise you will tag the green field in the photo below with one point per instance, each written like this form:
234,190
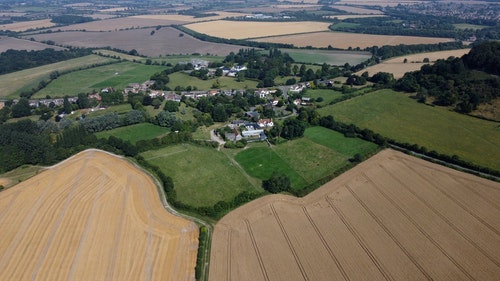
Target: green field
469,26
13,84
120,109
137,132
396,116
327,95
117,75
326,56
318,154
202,176
19,174
184,80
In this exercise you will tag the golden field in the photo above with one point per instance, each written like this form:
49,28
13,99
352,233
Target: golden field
247,29
392,217
345,40
398,68
26,25
93,217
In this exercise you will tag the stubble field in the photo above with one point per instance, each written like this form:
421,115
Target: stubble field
345,40
26,25
93,217
393,217
7,43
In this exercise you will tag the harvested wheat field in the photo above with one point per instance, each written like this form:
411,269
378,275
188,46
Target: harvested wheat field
344,40
392,217
93,217
7,43
254,29
398,67
27,25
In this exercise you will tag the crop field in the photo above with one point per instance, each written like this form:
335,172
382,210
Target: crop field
134,133
184,80
202,176
358,10
398,68
401,118
392,217
26,25
166,41
7,43
93,217
383,3
343,40
247,29
117,75
320,153
329,57
114,24
14,83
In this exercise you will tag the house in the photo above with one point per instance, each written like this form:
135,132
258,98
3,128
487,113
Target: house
2,104
253,115
297,88
262,93
265,123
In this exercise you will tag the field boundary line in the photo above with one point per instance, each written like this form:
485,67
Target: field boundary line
229,254
359,239
389,233
256,249
325,244
289,242
436,244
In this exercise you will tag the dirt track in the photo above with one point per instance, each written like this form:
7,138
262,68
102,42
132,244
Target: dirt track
393,217
92,217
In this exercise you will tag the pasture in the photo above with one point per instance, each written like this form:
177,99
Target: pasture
344,40
396,116
14,83
319,154
180,79
391,217
326,94
117,76
92,217
165,41
202,176
247,29
330,57
398,67
134,133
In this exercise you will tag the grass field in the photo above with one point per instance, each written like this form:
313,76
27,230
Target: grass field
329,57
469,26
399,117
327,95
202,176
18,175
120,109
306,160
183,80
117,75
14,83
137,132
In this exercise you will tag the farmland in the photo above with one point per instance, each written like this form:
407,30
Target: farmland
134,133
245,29
183,80
370,223
401,118
27,25
346,40
92,217
165,41
7,43
329,57
14,83
117,75
398,67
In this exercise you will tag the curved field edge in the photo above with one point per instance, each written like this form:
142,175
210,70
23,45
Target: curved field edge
396,116
100,186
392,216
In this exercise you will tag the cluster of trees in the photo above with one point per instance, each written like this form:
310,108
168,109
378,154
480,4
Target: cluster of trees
277,182
457,81
70,19
15,60
385,52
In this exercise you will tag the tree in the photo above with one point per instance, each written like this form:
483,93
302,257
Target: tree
166,119
21,108
171,106
278,182
218,72
83,101
293,128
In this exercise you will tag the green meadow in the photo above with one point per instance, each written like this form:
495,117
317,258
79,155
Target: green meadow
397,116
137,132
330,57
180,79
327,95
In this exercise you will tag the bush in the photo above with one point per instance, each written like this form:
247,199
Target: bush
278,182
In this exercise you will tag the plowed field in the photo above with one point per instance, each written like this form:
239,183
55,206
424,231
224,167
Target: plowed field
92,217
393,217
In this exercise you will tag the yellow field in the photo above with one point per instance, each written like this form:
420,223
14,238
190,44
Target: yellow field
398,68
246,29
220,15
382,3
25,25
392,217
357,10
92,217
345,40
343,17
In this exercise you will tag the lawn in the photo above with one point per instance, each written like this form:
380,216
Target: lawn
184,80
395,115
117,75
202,176
120,109
13,84
137,132
318,154
328,95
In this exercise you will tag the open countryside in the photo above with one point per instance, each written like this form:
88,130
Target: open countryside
391,217
93,216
